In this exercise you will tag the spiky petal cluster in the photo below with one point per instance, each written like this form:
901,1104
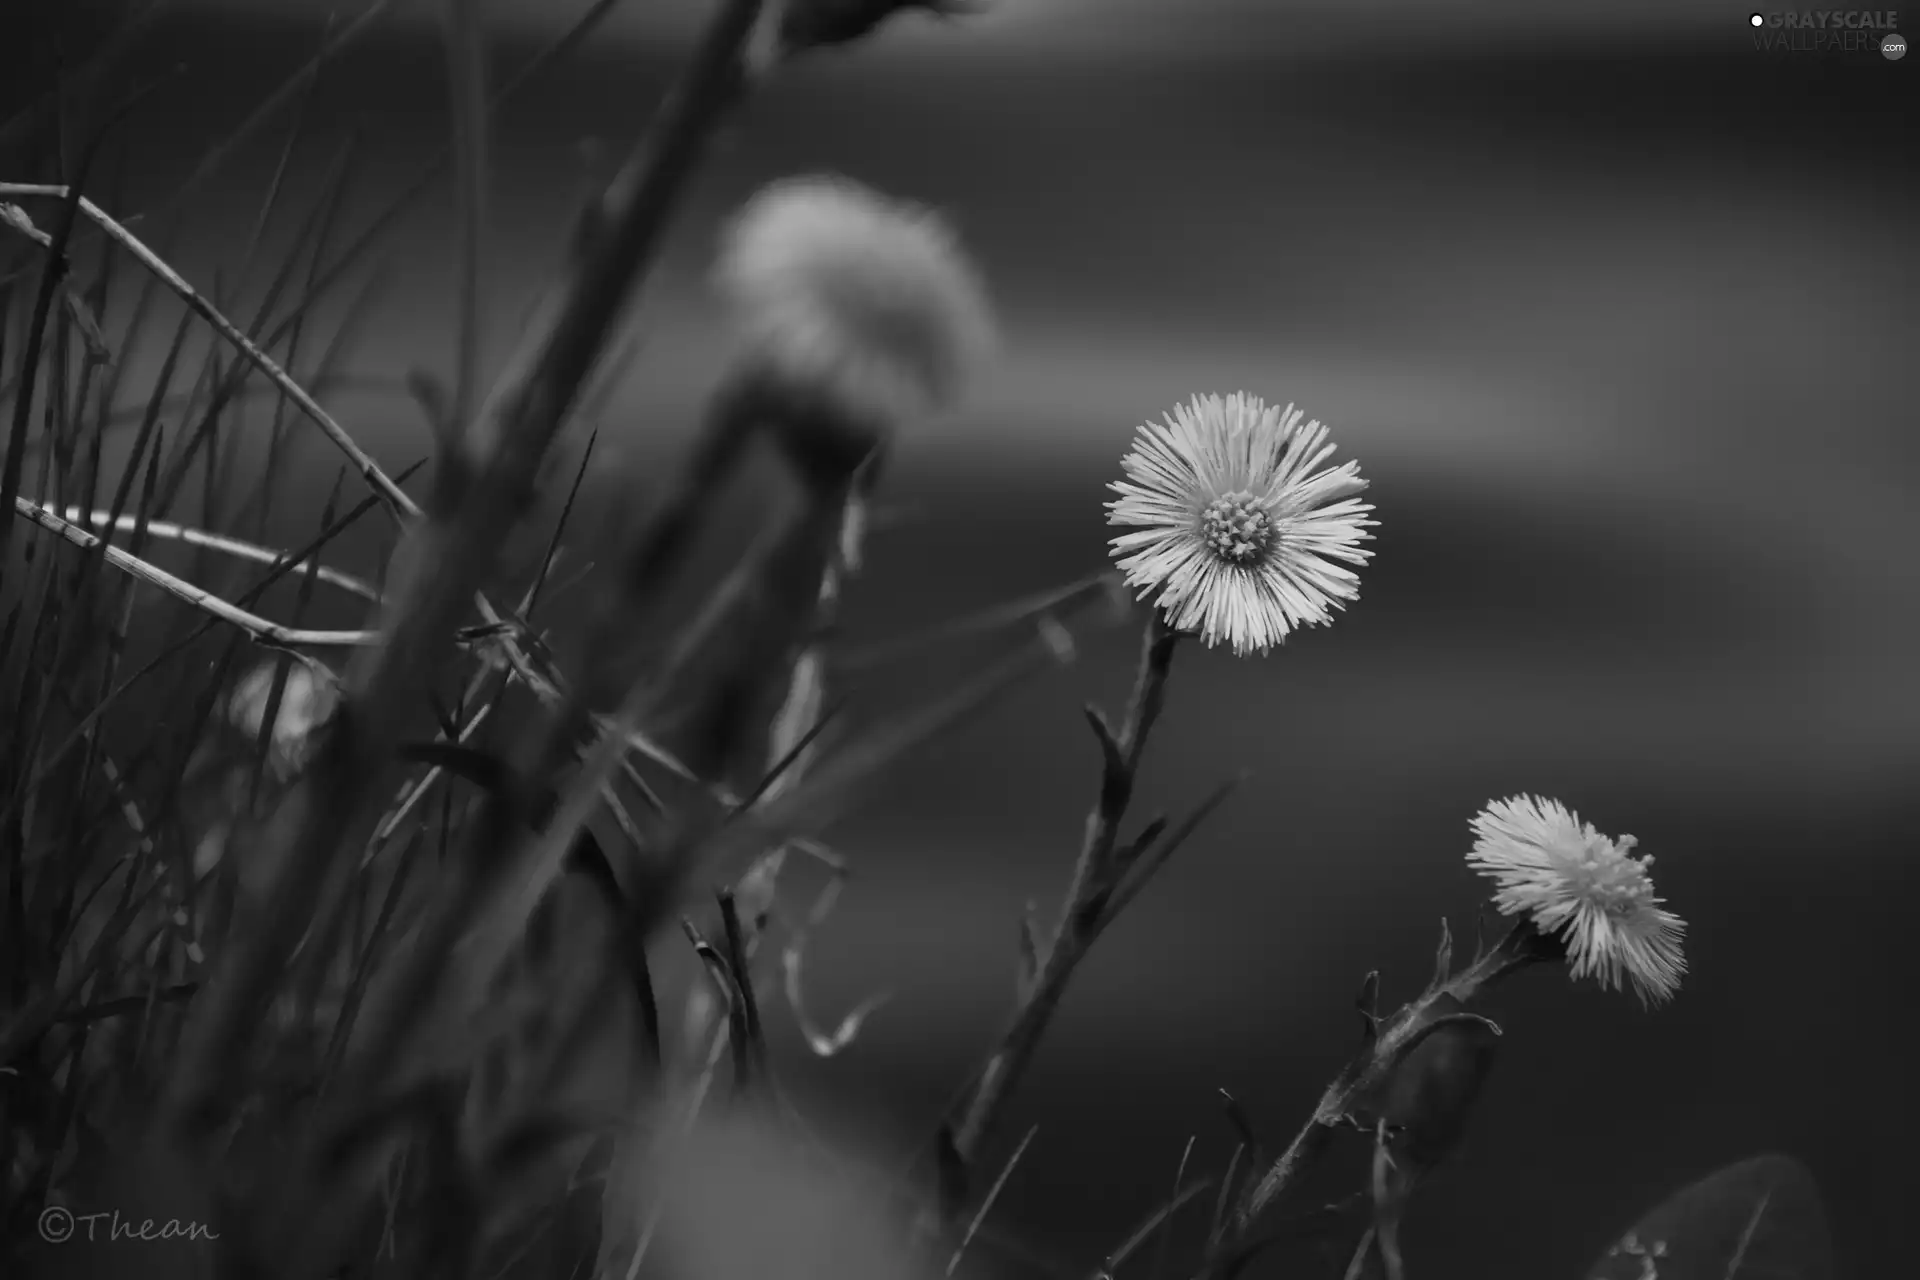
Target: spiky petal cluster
866,299
1586,889
1237,529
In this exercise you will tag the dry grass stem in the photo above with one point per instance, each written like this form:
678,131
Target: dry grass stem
171,531
262,630
362,461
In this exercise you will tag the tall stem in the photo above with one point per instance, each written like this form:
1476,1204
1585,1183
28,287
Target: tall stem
1082,915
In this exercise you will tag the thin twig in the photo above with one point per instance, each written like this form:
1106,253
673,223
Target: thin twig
172,532
417,790
52,272
1166,1231
1152,1223
382,483
986,1204
262,630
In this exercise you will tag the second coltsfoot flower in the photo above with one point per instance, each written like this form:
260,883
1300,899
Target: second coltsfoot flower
1584,888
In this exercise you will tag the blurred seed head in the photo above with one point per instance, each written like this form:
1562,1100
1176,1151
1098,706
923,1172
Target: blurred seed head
306,704
852,296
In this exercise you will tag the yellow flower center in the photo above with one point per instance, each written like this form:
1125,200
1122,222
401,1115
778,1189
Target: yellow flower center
1237,528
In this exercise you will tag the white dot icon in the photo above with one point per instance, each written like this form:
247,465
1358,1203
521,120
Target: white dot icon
1755,20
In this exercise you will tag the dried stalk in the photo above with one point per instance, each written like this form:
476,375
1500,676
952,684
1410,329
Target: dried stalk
382,483
262,630
172,532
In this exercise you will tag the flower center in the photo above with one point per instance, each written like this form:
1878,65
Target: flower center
1237,528
1613,880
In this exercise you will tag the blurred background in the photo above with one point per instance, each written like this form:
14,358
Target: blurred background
1613,307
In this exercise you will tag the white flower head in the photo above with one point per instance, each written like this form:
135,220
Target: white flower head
307,701
867,299
1238,530
1586,889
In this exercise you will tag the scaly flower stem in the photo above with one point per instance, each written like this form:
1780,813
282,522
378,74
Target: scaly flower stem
1387,1045
1085,913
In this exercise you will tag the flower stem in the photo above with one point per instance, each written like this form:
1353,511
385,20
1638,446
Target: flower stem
1386,1047
1084,913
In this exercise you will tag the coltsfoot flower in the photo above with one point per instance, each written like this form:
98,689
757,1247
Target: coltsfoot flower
864,299
1586,889
1239,532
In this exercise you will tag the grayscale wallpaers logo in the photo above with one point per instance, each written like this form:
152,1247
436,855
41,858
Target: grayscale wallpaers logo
1829,31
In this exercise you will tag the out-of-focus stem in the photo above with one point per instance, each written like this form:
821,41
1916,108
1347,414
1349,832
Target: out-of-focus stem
446,562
